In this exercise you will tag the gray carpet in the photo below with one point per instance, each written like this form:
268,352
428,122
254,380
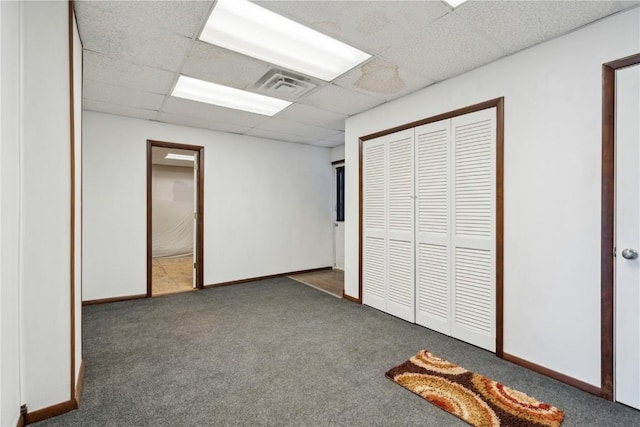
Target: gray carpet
277,352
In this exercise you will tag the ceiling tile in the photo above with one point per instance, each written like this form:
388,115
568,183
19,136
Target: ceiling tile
218,65
185,107
131,40
300,129
278,136
382,79
372,26
313,116
343,101
201,123
120,95
101,68
334,141
515,25
447,47
180,17
120,110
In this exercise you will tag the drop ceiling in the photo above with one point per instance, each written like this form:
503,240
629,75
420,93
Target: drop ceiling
134,52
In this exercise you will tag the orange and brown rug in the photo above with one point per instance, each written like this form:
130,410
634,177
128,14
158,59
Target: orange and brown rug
471,397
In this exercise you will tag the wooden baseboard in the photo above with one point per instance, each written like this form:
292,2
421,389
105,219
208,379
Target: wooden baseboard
79,383
114,299
552,374
50,411
271,276
350,298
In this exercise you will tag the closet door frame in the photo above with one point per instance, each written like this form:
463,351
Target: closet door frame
498,103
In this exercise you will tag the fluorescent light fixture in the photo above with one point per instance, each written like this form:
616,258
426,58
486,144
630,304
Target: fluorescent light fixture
454,3
174,156
247,28
224,96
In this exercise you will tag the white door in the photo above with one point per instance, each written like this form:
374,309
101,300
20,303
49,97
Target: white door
455,227
388,237
433,301
473,228
338,215
627,238
195,217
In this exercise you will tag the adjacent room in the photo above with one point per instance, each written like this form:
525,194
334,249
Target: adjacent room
233,212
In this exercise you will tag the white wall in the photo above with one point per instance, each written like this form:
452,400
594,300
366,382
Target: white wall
45,206
551,186
267,204
9,213
337,153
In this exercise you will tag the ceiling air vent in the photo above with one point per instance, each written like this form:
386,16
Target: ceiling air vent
284,85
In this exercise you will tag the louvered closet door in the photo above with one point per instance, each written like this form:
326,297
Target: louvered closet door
374,228
432,174
400,235
473,254
388,237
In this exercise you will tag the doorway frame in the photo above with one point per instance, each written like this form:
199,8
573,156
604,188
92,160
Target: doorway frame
607,283
199,252
334,196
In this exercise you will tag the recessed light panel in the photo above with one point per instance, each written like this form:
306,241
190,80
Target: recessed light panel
224,96
175,156
454,3
249,29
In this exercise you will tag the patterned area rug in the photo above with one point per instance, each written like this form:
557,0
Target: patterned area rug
471,397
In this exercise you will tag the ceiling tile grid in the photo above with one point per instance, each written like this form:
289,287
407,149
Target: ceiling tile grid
202,123
119,110
104,69
123,37
134,52
121,95
307,114
340,100
185,107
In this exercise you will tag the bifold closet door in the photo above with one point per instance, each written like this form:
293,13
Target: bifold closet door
473,219
388,215
433,248
455,227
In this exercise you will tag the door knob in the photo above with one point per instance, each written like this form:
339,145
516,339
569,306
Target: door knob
629,253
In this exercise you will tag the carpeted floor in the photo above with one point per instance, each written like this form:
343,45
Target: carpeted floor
277,353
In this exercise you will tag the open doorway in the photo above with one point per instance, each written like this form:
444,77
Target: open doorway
174,217
338,215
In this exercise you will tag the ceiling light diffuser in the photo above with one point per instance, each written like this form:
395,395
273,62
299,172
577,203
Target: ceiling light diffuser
175,156
454,3
224,96
249,29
